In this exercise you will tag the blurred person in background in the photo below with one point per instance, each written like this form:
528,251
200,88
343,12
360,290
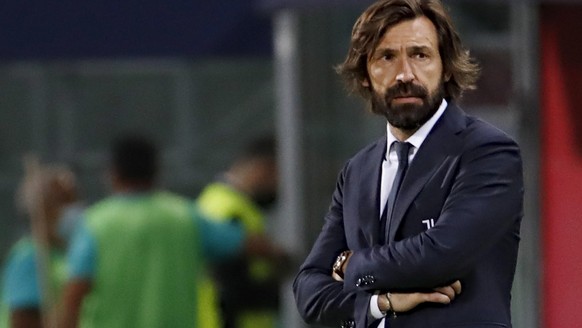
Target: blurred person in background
136,258
248,285
35,271
437,201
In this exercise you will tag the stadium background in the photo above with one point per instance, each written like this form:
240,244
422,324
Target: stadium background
202,77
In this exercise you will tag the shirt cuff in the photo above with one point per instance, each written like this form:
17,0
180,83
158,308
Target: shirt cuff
374,308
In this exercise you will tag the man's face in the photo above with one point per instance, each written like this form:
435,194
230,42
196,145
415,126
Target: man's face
406,74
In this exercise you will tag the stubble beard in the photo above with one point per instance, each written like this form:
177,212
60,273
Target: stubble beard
409,116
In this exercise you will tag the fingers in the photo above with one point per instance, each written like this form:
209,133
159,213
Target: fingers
457,287
445,294
436,297
402,302
447,291
451,290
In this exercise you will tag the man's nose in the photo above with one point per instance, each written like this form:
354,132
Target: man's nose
405,73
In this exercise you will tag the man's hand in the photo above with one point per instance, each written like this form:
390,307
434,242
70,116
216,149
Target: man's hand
402,302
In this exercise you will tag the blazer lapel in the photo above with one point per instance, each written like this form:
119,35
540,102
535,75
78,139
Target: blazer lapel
432,153
369,193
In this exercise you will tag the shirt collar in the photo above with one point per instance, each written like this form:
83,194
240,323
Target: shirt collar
420,135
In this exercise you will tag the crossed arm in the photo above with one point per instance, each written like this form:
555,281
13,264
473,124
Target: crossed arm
483,203
400,302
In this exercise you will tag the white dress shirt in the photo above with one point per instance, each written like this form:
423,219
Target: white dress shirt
389,168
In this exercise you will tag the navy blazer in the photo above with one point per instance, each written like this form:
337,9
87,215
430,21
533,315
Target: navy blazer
457,217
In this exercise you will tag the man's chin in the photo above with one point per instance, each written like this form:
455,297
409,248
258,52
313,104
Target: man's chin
407,108
407,116
404,124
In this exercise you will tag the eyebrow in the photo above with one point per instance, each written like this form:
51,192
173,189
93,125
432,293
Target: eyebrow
390,51
383,52
420,49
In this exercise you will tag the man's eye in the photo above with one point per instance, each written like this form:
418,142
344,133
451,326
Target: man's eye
421,55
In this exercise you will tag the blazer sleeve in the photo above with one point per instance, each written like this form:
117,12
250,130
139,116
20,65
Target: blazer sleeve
320,299
483,206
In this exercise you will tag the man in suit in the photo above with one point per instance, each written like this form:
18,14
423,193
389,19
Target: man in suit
434,205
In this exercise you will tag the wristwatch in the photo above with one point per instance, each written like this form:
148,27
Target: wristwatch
339,263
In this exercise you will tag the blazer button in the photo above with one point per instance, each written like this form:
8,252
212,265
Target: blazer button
371,279
365,280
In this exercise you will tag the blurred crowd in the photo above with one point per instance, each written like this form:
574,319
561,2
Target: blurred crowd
144,256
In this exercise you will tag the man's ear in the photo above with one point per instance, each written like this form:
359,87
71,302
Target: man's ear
366,83
447,77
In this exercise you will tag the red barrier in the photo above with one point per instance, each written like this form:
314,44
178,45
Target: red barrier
561,160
